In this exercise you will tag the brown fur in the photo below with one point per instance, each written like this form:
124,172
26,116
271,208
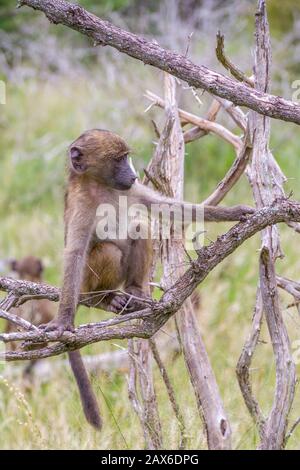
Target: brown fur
100,173
29,268
37,312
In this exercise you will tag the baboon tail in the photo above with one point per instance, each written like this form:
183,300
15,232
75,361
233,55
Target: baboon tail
87,396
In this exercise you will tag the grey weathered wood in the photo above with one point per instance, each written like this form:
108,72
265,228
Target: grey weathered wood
167,167
145,402
244,363
105,33
274,435
267,181
155,317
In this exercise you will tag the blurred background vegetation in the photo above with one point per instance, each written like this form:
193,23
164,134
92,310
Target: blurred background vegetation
58,85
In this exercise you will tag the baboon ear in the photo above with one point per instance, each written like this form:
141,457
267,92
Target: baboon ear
13,264
40,266
77,160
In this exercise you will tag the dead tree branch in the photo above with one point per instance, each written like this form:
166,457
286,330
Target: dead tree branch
156,316
266,179
233,69
105,33
243,147
16,320
140,373
274,436
197,132
292,287
243,366
205,124
233,174
168,166
171,394
291,431
236,114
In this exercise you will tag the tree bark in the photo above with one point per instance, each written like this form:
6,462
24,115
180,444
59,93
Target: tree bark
105,33
156,316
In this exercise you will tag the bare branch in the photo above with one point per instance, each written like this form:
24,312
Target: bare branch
204,124
234,112
197,132
146,408
290,286
210,406
267,180
293,288
233,174
105,33
153,318
275,428
171,393
290,433
244,363
233,69
132,383
26,325
23,291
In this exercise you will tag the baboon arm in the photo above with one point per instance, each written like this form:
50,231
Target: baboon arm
229,214
79,228
191,212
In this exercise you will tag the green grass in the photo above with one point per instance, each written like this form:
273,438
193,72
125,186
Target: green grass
38,122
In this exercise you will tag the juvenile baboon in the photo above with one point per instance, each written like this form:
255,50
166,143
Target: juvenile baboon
99,174
37,312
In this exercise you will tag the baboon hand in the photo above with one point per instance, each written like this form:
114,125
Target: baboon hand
119,303
122,303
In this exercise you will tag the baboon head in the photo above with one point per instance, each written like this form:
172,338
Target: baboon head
103,156
29,268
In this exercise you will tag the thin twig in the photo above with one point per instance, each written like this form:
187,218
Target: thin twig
290,432
16,320
204,124
243,366
196,132
233,174
233,69
171,393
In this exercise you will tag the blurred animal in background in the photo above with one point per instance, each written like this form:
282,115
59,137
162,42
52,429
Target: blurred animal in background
35,311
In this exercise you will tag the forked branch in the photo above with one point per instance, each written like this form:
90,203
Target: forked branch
153,317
